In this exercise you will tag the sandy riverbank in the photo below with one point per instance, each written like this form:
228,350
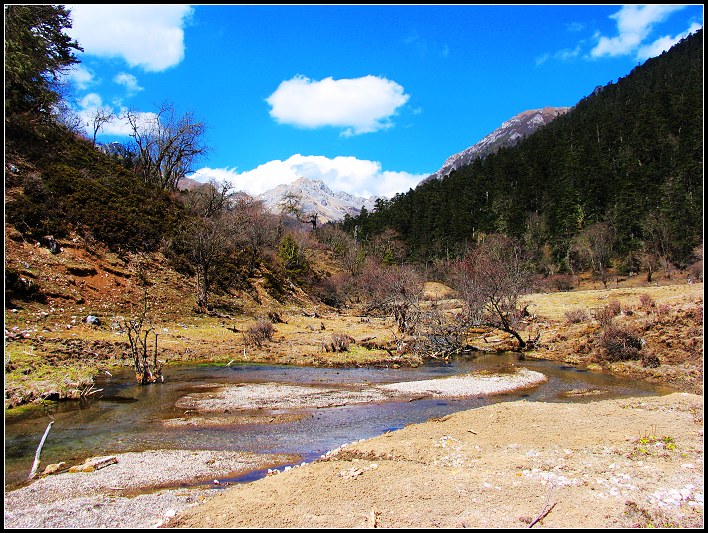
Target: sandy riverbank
634,462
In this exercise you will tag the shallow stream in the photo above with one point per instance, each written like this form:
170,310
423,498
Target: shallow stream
128,417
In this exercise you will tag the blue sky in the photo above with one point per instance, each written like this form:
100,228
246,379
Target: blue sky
369,98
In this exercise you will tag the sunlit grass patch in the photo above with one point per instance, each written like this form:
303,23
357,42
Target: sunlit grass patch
33,373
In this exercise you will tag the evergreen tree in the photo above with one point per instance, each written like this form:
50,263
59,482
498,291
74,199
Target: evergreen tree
37,51
629,148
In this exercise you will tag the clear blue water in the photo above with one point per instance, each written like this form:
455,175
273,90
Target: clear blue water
129,417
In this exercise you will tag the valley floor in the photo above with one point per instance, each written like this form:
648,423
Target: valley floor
612,463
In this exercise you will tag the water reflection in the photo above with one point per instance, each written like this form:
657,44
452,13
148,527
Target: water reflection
129,417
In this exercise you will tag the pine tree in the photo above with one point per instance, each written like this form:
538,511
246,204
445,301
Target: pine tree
37,52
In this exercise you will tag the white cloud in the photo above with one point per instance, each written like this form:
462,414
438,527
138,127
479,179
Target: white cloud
575,26
129,81
147,36
91,103
120,126
568,54
664,43
540,60
634,24
359,105
80,76
343,173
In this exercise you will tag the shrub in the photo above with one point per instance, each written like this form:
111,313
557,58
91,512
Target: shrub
650,361
696,314
646,301
260,332
575,316
334,290
561,282
620,344
695,271
663,310
604,315
338,342
614,307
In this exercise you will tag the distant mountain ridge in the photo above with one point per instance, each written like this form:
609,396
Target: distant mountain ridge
314,196
508,134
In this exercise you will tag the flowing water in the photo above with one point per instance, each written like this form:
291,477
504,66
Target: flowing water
128,417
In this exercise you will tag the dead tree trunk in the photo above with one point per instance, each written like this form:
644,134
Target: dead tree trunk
138,330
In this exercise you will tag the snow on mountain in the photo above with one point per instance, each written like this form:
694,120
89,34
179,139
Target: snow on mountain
313,196
508,134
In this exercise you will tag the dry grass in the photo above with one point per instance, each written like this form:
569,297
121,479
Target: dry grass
553,306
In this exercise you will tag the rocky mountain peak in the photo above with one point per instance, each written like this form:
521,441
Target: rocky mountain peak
314,196
508,134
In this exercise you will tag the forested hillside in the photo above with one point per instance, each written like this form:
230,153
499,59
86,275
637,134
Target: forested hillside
625,165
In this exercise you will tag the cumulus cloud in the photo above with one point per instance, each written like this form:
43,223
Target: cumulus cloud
359,105
129,81
358,177
664,43
90,101
80,76
634,24
147,36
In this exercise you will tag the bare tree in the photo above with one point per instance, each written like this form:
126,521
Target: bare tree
210,198
208,243
100,116
657,244
311,218
256,231
343,246
167,145
387,246
66,116
138,330
394,290
595,245
490,281
291,204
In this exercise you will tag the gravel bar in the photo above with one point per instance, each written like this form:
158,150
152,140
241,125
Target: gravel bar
126,494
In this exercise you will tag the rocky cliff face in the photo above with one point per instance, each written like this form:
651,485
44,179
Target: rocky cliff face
314,196
508,134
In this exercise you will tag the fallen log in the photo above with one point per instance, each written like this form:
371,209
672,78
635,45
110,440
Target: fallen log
53,468
94,463
35,465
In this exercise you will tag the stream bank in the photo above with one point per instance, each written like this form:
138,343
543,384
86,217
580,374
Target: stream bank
152,487
631,462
